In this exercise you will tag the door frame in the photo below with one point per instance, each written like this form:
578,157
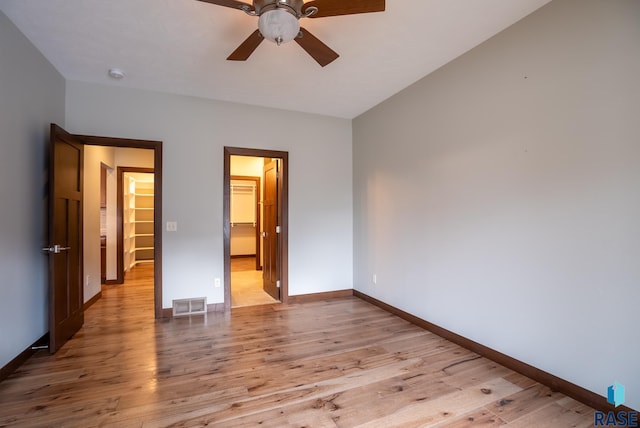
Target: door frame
284,216
103,205
156,146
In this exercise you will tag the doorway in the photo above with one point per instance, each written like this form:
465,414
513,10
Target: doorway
246,205
68,240
255,227
153,252
104,170
135,213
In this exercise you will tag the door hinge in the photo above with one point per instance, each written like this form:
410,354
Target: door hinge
277,229
278,283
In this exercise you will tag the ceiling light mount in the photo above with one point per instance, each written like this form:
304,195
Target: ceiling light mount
116,73
293,6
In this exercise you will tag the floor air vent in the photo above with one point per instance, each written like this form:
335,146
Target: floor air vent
195,306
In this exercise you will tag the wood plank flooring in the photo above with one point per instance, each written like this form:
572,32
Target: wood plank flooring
338,363
246,284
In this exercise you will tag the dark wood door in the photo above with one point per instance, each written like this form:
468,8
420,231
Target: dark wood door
66,298
270,267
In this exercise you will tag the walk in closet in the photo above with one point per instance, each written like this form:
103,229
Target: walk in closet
244,216
138,206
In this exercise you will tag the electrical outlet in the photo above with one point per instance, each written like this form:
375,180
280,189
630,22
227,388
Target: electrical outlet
87,280
172,226
374,278
216,283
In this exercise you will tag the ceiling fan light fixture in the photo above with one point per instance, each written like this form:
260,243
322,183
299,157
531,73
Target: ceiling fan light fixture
278,25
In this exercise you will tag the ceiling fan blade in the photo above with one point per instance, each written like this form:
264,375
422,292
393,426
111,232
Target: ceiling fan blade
247,47
314,47
343,7
230,3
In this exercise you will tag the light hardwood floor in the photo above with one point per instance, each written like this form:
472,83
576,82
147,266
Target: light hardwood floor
341,363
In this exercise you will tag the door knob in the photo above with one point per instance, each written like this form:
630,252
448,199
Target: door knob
56,249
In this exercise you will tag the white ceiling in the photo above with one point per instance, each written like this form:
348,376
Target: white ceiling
180,46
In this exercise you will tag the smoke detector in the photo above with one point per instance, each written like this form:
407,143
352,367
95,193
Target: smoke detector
116,73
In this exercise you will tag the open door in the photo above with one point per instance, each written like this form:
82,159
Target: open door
275,202
66,300
271,229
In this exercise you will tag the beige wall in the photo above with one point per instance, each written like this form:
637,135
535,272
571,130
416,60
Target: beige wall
93,157
499,197
247,166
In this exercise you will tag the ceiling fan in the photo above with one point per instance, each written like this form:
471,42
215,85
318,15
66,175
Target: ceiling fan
278,22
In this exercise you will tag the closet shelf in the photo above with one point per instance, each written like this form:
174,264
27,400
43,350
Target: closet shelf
243,203
138,219
251,186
